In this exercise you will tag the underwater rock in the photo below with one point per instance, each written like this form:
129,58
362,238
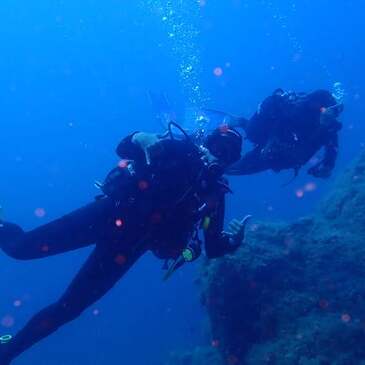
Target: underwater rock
295,294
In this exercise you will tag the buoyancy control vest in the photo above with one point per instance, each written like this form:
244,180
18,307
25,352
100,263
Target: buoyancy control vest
172,177
167,172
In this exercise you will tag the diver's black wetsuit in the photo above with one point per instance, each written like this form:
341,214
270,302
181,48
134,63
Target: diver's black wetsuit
152,215
287,132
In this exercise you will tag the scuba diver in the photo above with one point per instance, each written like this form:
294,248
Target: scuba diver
287,130
163,193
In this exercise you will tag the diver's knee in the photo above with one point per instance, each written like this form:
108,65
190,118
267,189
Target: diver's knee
15,250
12,250
9,237
12,242
15,253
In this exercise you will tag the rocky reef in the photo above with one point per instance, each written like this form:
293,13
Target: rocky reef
295,294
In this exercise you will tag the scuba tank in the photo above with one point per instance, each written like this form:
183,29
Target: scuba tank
176,171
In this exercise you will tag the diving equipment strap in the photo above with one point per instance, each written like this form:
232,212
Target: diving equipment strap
191,253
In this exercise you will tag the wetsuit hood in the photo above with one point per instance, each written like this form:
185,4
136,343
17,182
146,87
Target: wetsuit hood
225,144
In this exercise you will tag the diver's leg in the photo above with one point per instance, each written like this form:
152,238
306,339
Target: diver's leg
251,163
75,230
98,275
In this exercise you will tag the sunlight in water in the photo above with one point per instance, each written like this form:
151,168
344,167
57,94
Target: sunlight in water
181,19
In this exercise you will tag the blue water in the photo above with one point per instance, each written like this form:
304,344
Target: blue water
74,79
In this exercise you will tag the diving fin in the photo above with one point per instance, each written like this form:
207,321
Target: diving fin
230,119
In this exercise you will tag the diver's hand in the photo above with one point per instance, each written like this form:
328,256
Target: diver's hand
146,141
320,171
236,231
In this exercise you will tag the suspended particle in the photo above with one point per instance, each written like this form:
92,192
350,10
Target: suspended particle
119,222
224,128
45,248
143,185
120,260
218,72
7,321
39,212
123,164
17,303
346,318
310,187
299,194
215,343
323,303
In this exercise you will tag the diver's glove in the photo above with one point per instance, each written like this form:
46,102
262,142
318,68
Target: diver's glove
236,232
320,171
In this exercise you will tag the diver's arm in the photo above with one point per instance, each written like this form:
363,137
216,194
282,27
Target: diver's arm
219,242
216,242
136,146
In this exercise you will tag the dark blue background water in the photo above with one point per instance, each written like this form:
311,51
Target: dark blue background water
74,78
